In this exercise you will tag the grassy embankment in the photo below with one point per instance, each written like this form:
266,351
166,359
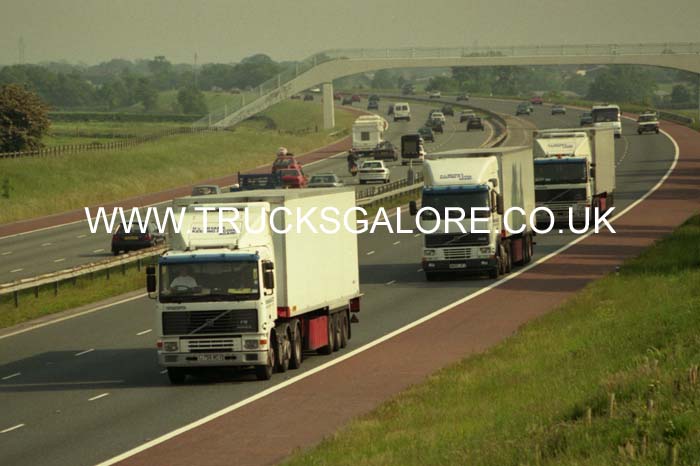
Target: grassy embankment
42,186
544,396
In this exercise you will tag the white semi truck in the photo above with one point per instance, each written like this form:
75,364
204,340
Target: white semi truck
368,134
574,169
257,297
607,116
496,180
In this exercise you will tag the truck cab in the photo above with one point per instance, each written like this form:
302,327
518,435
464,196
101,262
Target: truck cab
607,116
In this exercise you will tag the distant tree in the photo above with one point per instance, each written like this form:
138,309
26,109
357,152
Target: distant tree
162,73
441,83
146,93
384,79
680,94
191,100
578,84
23,119
622,83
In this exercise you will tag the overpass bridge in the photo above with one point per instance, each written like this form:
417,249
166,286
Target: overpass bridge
322,68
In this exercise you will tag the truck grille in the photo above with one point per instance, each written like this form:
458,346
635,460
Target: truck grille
455,239
209,322
218,345
560,195
457,253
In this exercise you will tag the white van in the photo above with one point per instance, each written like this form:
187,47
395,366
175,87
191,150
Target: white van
607,116
402,111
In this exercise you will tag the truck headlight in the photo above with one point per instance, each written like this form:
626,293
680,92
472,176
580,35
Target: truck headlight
170,346
486,250
429,252
251,344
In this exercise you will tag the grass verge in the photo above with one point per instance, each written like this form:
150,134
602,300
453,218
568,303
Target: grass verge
544,396
41,186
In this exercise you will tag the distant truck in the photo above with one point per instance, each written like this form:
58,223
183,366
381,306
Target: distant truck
253,181
256,298
412,148
607,116
368,134
574,168
495,179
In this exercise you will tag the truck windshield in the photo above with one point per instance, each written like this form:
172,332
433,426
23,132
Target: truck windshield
209,281
559,172
602,115
465,200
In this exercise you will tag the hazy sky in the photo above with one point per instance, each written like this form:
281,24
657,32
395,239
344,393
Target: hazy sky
224,31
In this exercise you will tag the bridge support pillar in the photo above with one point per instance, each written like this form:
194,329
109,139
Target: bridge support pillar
328,109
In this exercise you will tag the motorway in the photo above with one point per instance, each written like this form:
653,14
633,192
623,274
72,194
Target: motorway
67,246
86,389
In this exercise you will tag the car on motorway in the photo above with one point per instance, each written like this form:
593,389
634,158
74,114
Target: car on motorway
373,170
293,178
205,189
558,110
435,95
347,100
462,98
374,97
475,123
438,116
426,133
390,109
337,96
466,115
135,239
372,105
523,108
402,111
308,97
386,150
586,119
435,124
296,97
285,161
408,89
648,123
536,100
356,98
447,110
325,180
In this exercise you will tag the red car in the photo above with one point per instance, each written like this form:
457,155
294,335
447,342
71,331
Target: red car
337,96
536,100
355,98
285,161
293,178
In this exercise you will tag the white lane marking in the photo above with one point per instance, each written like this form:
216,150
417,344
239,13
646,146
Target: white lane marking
396,242
625,152
382,339
10,429
416,235
79,236
6,253
11,376
85,352
59,260
144,332
16,270
391,282
72,316
98,396
98,250
164,371
419,270
46,244
370,253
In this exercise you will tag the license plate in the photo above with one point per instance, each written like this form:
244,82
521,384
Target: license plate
458,266
210,357
131,238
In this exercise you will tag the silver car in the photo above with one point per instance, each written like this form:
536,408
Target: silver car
325,180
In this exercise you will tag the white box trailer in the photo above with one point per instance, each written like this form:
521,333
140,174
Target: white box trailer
368,134
300,285
498,179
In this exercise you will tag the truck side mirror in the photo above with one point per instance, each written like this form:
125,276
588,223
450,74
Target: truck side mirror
268,275
151,279
499,204
412,208
592,172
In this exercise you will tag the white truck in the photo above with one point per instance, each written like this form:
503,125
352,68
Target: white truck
607,116
494,179
574,169
368,134
254,298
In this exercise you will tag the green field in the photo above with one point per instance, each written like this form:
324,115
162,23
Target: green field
526,401
86,132
167,101
42,186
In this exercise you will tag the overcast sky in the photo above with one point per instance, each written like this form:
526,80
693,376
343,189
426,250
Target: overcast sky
91,31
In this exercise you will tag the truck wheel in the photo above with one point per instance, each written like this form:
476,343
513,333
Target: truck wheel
493,273
328,349
284,351
177,375
431,276
344,329
265,372
297,351
338,334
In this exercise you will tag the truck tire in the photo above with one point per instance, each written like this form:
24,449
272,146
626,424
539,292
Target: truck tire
431,276
328,349
284,349
338,334
345,329
177,375
297,349
265,372
508,260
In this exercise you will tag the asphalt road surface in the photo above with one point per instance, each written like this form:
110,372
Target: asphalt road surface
86,389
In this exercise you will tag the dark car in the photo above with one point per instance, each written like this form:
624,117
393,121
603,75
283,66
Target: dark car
558,110
390,110
374,97
462,97
135,239
448,110
426,133
372,105
386,151
523,109
475,123
308,97
296,97
435,124
347,100
337,96
586,119
285,162
466,115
